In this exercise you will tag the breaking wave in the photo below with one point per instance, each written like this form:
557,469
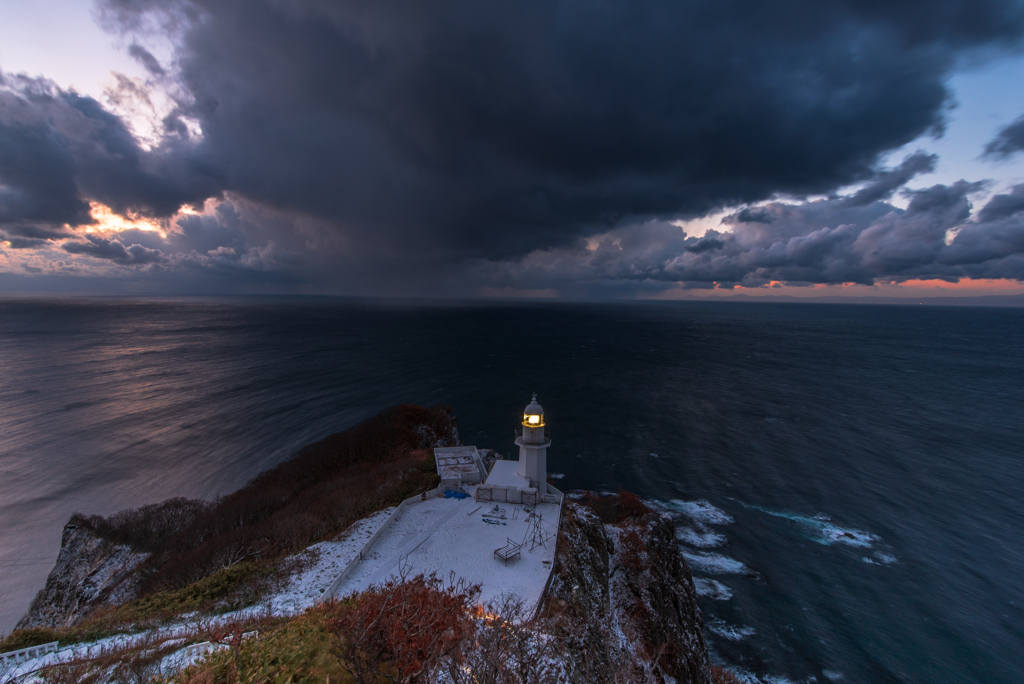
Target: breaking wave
880,558
712,589
822,530
715,563
700,537
700,510
730,632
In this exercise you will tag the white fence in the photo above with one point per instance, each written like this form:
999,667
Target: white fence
17,657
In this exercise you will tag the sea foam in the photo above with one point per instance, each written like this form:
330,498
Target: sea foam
715,563
822,530
730,632
701,511
880,558
700,537
712,589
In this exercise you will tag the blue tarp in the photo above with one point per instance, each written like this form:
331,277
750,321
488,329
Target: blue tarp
455,495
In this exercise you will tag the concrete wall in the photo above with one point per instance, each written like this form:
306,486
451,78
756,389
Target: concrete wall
354,563
504,494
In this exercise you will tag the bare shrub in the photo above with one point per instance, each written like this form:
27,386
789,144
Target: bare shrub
145,528
136,661
317,493
401,629
614,509
507,649
722,676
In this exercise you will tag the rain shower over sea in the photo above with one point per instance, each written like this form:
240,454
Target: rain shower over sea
846,480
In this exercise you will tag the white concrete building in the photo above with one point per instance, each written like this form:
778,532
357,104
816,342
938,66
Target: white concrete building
524,481
459,466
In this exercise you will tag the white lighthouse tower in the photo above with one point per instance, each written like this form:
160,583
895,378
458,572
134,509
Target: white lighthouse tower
533,448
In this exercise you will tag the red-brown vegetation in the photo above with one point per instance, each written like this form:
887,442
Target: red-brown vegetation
402,629
632,550
723,676
405,631
316,494
614,509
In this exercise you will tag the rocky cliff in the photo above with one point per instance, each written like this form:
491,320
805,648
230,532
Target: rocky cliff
90,572
621,608
623,602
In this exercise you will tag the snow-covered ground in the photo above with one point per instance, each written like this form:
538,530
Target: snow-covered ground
437,535
303,591
306,588
445,536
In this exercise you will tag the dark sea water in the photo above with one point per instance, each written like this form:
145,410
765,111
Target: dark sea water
850,477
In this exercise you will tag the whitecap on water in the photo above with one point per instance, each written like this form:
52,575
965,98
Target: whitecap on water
824,531
880,558
730,632
712,589
715,563
700,536
833,675
701,511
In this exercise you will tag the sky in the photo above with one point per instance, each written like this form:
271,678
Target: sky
538,148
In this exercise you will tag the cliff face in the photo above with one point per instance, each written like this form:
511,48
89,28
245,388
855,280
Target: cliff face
623,601
89,572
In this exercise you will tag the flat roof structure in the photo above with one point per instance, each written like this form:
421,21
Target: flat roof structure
506,474
459,465
444,536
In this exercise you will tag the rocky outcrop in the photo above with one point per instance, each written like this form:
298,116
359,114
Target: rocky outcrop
90,572
622,601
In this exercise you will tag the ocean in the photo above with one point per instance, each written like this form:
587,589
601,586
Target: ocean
847,479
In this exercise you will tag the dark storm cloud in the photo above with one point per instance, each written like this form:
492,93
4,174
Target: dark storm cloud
823,241
749,215
1008,141
59,150
114,250
704,245
38,232
23,243
1001,206
884,184
405,139
490,129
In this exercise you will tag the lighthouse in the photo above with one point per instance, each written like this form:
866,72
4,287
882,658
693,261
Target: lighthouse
533,448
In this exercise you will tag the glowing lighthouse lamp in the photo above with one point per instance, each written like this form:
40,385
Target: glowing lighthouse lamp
533,448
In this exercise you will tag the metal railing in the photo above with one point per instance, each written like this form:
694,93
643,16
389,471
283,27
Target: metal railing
519,433
20,656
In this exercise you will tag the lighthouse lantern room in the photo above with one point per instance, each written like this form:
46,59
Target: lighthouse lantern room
533,447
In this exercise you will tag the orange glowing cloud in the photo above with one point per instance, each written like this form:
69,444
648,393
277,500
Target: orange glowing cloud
109,222
967,287
967,284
